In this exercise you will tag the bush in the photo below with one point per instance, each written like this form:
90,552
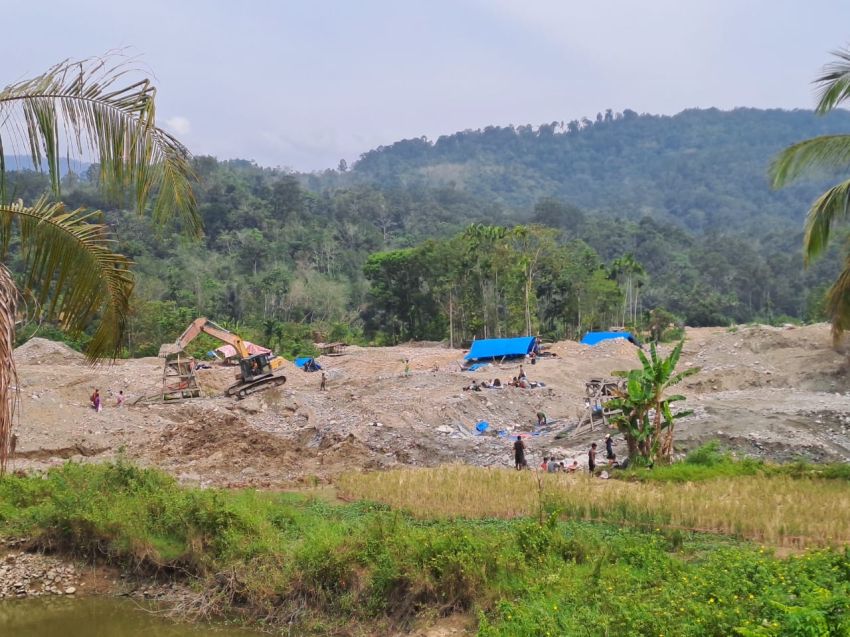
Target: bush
708,455
318,567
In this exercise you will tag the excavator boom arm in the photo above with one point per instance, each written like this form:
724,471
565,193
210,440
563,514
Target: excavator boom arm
205,326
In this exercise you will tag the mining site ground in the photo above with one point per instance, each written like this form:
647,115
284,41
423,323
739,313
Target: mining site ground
764,392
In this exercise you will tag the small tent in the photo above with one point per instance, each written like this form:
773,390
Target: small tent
594,338
307,363
490,348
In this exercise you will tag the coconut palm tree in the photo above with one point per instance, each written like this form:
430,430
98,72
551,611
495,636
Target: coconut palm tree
824,154
93,110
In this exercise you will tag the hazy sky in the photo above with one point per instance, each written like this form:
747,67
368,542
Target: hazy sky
302,84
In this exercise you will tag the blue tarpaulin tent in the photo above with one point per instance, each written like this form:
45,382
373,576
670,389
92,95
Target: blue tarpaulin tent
307,363
594,338
500,348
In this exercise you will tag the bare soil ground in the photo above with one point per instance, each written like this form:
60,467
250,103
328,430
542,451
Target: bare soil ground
779,393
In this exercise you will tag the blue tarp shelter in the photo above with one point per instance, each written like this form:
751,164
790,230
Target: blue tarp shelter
307,363
594,338
489,348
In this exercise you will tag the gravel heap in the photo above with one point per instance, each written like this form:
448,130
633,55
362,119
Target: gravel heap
34,575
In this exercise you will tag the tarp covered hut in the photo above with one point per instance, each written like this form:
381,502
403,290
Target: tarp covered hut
490,348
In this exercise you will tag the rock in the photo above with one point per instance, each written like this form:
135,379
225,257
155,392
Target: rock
70,590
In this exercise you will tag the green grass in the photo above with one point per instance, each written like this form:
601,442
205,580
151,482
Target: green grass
317,567
711,461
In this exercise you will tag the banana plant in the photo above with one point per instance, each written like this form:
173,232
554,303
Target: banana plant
645,416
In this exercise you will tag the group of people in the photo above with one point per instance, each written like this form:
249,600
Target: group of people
521,381
551,465
97,404
610,456
476,386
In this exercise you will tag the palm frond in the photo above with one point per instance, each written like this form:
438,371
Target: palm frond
824,153
838,302
827,210
834,84
85,108
71,270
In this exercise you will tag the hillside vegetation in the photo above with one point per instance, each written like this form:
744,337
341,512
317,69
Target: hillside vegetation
618,217
702,169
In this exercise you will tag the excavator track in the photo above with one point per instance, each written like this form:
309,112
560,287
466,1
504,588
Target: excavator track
243,390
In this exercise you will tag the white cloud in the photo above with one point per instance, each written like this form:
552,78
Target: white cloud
178,125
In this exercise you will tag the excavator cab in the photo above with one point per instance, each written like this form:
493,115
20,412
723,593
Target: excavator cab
254,367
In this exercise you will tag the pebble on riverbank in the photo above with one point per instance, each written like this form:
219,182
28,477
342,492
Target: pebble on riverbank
34,575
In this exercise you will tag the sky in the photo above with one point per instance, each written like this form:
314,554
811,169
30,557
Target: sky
301,84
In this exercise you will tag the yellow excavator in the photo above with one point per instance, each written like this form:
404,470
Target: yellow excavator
256,372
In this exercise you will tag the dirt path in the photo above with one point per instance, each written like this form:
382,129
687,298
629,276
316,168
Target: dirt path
767,392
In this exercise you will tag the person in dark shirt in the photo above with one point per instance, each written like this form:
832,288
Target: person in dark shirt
609,449
519,454
591,458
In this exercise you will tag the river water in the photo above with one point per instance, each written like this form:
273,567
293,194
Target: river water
96,617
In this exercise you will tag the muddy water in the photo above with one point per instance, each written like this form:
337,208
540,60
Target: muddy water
96,617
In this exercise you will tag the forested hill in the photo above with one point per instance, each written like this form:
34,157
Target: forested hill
706,169
631,220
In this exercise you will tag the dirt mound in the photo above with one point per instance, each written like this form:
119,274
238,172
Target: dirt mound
40,350
612,347
225,434
757,391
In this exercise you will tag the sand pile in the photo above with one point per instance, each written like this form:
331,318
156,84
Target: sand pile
37,351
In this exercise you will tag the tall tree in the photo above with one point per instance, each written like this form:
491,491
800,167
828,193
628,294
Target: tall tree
84,109
825,153
628,272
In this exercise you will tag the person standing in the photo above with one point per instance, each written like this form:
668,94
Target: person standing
323,386
591,458
519,454
119,401
609,449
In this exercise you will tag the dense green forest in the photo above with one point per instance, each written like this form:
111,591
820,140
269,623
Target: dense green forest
702,169
552,230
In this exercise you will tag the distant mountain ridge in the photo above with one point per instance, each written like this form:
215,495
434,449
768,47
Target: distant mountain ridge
702,168
24,162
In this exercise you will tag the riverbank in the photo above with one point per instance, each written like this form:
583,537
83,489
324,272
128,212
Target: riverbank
280,560
32,574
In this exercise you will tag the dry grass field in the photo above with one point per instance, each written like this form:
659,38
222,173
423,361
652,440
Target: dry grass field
776,510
